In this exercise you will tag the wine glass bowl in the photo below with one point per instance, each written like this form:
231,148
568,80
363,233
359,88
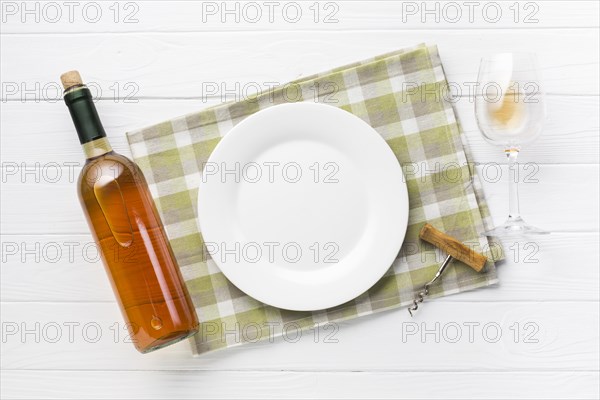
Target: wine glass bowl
509,105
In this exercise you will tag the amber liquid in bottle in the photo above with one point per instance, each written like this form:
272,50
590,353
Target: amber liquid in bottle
126,226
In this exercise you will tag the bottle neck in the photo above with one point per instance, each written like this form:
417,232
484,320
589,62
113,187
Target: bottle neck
87,122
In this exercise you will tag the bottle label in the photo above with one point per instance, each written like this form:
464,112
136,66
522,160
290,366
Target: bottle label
96,147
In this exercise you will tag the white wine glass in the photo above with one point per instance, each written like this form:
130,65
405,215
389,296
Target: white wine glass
510,112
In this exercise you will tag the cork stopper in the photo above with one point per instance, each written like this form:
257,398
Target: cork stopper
70,79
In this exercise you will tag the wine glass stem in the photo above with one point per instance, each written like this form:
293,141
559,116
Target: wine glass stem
513,184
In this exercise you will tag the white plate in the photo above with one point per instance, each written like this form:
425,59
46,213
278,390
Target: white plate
303,206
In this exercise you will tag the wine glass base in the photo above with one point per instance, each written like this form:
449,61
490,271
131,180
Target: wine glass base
515,227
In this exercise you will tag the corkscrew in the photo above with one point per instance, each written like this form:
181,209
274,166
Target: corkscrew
455,250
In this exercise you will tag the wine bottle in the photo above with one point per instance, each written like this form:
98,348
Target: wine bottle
130,236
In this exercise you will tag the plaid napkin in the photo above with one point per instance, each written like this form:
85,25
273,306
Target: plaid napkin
403,96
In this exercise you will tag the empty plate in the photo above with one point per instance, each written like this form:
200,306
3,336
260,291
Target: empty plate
303,206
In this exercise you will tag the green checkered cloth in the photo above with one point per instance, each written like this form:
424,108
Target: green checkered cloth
403,96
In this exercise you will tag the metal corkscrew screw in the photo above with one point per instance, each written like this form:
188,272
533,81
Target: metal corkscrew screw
455,249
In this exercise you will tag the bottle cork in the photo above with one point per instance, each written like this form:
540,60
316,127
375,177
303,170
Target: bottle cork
70,79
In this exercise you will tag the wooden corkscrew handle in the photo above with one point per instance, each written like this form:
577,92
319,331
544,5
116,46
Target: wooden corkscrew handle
453,247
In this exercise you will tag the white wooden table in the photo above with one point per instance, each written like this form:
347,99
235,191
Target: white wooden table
534,335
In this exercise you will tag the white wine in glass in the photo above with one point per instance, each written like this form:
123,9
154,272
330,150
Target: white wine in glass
510,112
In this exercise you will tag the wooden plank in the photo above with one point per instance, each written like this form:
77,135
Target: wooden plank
539,183
469,336
66,268
185,16
52,268
289,384
194,64
570,134
573,206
